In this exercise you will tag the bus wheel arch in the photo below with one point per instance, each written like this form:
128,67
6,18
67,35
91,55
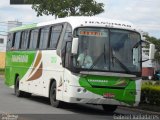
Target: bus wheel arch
15,78
52,94
18,92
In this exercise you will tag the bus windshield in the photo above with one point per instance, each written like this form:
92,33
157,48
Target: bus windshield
102,49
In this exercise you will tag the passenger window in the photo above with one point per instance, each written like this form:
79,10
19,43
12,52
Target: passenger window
9,41
24,41
17,40
34,39
44,38
55,35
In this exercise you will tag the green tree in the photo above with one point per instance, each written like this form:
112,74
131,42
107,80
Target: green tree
156,42
63,8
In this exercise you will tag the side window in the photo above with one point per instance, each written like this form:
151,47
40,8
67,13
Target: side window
17,40
24,41
1,40
44,37
67,36
9,41
55,35
34,39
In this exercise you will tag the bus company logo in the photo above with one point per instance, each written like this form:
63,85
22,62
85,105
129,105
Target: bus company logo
20,58
108,23
99,81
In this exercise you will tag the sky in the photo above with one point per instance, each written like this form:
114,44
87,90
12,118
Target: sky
144,14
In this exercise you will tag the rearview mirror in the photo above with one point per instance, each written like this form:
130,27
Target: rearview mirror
135,56
151,51
75,46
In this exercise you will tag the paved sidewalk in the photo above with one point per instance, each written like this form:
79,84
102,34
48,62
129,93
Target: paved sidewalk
139,110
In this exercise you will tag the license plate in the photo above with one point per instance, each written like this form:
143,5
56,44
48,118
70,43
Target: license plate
108,95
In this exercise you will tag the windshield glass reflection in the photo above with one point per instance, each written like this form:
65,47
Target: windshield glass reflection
107,50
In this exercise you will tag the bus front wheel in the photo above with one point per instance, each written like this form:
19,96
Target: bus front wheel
54,102
109,108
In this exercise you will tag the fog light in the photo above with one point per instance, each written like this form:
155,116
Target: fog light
84,90
79,90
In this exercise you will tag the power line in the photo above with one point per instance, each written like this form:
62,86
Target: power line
109,8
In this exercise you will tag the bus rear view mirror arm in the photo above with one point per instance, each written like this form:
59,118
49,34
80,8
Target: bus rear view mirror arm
146,60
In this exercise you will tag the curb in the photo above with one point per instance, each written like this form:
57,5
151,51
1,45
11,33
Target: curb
139,110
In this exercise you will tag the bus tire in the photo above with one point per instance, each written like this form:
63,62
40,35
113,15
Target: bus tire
52,94
27,95
109,108
18,92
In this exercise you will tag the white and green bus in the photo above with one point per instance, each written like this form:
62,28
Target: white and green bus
47,59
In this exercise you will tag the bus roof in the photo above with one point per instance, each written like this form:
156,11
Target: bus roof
81,21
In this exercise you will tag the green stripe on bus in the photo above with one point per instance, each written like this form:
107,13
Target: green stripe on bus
122,91
24,27
16,63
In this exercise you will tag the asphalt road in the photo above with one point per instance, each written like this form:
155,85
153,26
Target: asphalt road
38,108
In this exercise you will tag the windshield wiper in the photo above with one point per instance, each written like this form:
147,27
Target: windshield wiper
96,61
137,44
120,63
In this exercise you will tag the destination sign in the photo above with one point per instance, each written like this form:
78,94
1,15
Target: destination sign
93,33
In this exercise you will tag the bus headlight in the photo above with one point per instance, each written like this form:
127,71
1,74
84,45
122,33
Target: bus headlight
84,90
81,90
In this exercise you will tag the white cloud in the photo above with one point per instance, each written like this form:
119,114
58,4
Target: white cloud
22,13
143,13
4,3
